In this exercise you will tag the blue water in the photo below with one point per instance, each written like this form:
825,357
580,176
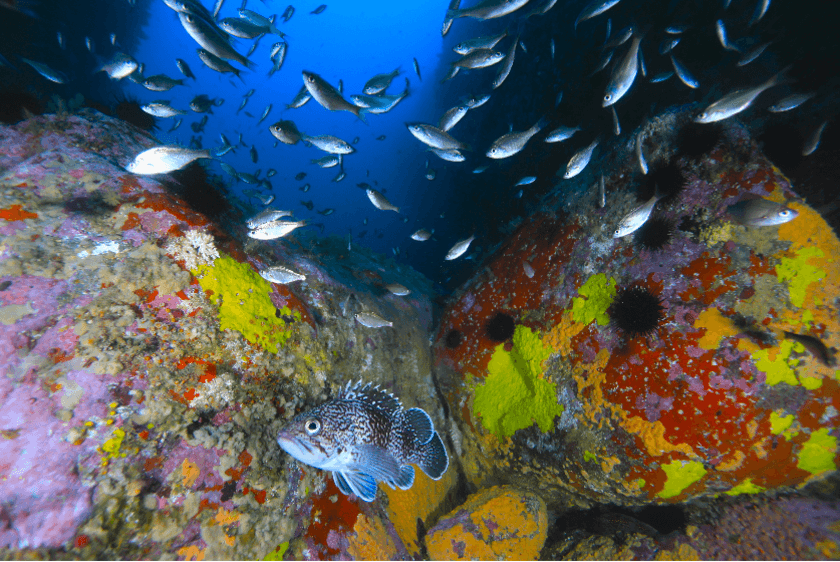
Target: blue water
353,41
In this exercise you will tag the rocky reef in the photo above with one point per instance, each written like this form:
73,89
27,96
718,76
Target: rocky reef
147,368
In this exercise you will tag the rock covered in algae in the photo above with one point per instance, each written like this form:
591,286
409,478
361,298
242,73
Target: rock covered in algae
147,367
661,366
499,523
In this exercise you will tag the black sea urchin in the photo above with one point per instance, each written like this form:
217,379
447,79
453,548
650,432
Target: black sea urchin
667,180
453,338
636,311
501,327
655,234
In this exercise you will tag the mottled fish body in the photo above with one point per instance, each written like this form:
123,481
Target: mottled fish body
452,117
119,66
162,110
364,435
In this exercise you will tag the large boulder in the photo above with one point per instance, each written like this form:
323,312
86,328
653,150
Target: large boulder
692,358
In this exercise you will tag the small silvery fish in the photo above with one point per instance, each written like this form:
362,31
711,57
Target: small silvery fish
448,155
372,320
753,54
364,435
435,137
623,74
120,66
326,95
640,153
380,201
634,220
265,114
790,102
452,117
286,132
459,248
561,134
736,102
683,74
161,83
814,140
340,176
421,235
480,58
319,9
161,109
300,98
661,77
724,41
184,68
275,229
602,193
288,13
380,82
268,215
483,42
164,159
397,289
579,161
526,181
485,10
594,8
507,65
281,275
417,70
329,143
511,143
46,71
761,212
529,270
478,101
328,161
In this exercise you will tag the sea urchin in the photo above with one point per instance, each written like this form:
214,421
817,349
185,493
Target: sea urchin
655,234
636,311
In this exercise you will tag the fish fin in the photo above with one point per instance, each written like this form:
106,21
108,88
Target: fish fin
541,124
361,114
421,423
406,478
377,462
434,459
361,484
338,478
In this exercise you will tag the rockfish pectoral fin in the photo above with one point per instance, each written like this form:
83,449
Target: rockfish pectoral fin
361,484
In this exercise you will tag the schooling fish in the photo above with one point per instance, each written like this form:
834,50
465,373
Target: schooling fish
488,9
380,201
380,82
373,320
459,248
579,160
509,144
281,275
326,95
634,220
737,101
275,229
164,159
364,435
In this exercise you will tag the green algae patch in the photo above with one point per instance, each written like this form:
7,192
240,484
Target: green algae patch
799,274
513,395
681,475
587,456
277,554
599,292
746,487
244,302
779,369
778,423
817,454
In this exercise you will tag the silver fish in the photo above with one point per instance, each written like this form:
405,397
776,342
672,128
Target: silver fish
328,161
380,82
281,275
417,70
184,68
483,42
623,74
431,174
761,212
300,98
661,77
579,161
162,110
452,117
760,10
328,96
561,134
511,143
161,83
448,155
268,215
683,74
477,101
640,153
527,180
459,248
218,64
329,143
46,71
275,229
397,289
480,169
340,176
616,125
364,435
421,235
381,103
288,13
668,44
120,66
260,20
380,201
286,132
211,38
435,137
254,155
721,33
634,220
164,159
552,48
217,8
242,28
175,126
753,54
814,140
447,21
507,65
602,193
487,9
790,102
264,114
372,320
594,8
736,102
620,38
278,55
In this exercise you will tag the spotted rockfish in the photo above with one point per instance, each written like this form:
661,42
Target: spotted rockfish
364,435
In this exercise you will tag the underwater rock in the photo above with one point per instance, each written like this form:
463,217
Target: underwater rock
499,523
699,366
147,367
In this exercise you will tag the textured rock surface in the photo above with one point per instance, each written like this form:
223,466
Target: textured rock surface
499,523
146,367
550,393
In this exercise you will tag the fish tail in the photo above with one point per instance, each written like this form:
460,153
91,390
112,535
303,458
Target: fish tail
452,14
361,112
433,458
541,124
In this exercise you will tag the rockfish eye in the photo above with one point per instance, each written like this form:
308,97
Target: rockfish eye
608,97
313,426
